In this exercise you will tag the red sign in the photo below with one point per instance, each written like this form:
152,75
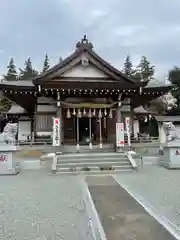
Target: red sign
3,158
57,121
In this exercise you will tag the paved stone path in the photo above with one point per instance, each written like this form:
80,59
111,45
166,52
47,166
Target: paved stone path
159,187
34,205
122,217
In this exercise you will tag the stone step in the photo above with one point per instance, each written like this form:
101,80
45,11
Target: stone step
95,173
91,155
89,159
94,169
94,163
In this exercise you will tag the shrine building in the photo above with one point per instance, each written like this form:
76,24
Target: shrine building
88,95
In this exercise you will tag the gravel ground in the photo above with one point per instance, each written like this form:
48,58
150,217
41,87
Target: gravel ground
35,205
159,187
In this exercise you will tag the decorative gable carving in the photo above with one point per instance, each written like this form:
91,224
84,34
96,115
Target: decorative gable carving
81,67
87,71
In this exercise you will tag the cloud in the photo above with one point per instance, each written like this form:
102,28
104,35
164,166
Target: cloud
116,28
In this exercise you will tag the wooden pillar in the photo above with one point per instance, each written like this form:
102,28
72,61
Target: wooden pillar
90,129
34,123
77,129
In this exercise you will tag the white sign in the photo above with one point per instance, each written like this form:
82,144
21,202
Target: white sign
5,163
127,122
120,134
56,132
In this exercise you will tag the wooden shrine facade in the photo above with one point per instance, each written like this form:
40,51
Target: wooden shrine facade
85,92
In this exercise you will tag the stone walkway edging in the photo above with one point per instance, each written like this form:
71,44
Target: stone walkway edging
168,225
93,218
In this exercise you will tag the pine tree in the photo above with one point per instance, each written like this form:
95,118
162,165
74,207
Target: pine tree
46,63
127,66
146,70
28,72
12,73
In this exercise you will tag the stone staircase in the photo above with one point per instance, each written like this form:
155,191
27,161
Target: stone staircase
93,163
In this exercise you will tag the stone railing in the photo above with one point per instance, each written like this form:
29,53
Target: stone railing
94,223
129,155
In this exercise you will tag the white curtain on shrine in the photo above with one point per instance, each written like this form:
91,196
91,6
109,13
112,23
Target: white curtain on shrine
44,123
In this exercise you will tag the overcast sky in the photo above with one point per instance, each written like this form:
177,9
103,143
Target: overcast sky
115,27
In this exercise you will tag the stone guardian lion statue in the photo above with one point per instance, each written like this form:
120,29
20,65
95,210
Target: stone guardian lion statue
171,131
8,136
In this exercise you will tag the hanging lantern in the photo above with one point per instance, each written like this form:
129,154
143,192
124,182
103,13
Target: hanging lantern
94,112
89,114
68,114
79,113
145,120
84,112
105,112
74,111
110,113
100,113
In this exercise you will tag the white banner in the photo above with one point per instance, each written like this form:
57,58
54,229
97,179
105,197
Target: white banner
120,134
56,132
127,122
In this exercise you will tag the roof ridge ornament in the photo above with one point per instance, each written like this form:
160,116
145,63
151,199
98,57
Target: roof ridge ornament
84,43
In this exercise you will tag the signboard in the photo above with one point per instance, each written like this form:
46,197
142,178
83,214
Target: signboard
3,158
56,132
127,123
120,134
5,163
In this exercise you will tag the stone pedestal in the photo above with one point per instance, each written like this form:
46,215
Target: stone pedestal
171,155
9,165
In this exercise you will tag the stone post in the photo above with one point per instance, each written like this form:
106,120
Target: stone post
118,115
162,133
136,128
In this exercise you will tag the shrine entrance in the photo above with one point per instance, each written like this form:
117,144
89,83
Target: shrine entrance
85,128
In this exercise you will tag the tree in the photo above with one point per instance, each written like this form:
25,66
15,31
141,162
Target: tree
147,71
127,70
174,78
144,70
163,104
12,73
46,63
28,71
